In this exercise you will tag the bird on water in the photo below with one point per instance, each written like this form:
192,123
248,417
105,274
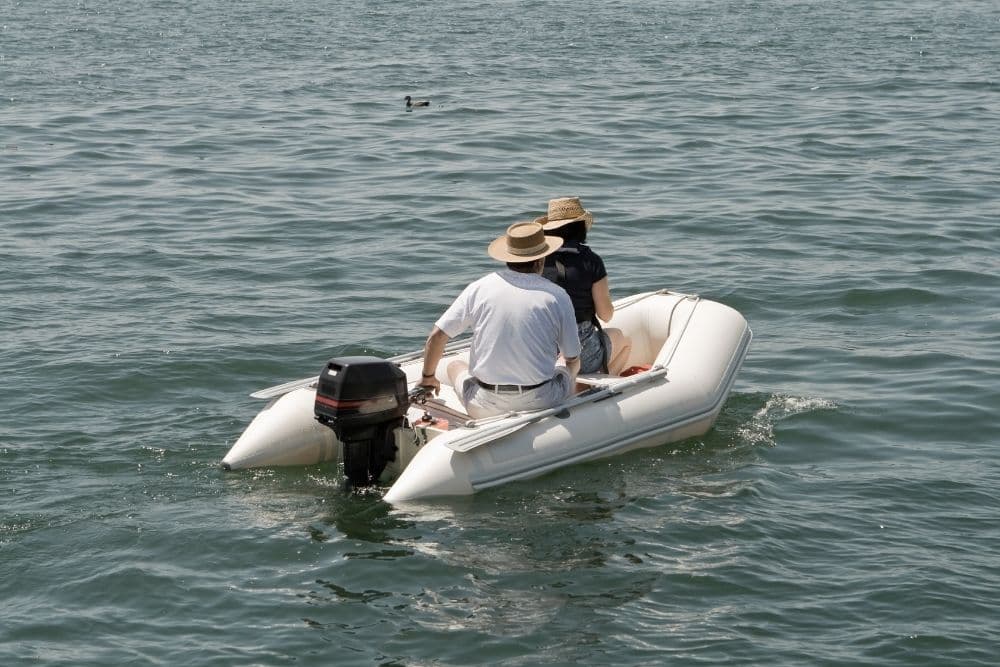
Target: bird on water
410,103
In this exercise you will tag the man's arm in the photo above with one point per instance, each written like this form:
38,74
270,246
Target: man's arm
433,351
569,338
573,366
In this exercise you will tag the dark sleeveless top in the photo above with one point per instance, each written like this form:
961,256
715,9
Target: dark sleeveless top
575,268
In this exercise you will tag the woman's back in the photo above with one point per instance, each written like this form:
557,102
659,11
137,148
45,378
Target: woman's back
575,268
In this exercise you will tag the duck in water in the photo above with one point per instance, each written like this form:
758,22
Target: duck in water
418,103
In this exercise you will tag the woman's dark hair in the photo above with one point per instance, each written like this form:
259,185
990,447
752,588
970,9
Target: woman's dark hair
573,231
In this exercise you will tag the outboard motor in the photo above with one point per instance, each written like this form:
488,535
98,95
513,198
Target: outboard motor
363,399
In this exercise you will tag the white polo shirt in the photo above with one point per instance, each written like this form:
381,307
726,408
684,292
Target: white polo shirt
520,322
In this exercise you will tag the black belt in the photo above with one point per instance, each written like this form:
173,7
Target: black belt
510,388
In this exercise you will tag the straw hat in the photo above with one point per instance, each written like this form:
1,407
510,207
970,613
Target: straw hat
563,211
523,242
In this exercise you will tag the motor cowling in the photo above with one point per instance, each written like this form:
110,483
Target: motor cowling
363,399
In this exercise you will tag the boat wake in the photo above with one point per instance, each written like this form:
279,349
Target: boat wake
758,429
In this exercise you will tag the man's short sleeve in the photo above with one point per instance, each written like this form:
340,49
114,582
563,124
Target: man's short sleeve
457,318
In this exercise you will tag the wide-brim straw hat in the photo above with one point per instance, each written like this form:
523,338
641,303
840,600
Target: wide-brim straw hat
523,242
564,210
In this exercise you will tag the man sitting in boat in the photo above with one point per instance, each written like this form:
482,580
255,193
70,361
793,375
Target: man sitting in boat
519,320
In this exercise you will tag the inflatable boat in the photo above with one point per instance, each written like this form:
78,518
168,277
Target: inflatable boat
368,413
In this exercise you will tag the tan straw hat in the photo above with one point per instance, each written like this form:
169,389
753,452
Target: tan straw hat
563,211
523,242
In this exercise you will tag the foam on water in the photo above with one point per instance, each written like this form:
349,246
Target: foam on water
760,429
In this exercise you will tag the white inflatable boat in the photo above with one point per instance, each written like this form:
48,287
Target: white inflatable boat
686,352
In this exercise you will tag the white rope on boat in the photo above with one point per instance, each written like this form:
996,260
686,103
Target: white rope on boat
670,321
636,298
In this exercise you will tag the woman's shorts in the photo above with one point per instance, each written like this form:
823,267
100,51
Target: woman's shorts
594,347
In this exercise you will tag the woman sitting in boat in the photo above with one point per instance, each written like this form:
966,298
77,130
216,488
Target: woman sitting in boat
580,271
